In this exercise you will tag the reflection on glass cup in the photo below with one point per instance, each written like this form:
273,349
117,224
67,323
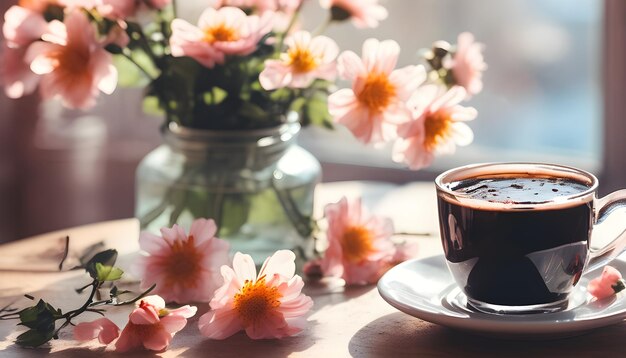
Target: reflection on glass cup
516,236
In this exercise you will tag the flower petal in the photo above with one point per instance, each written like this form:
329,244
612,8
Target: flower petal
173,323
157,341
219,324
244,267
144,316
186,311
462,134
103,328
151,243
127,341
282,263
349,65
203,228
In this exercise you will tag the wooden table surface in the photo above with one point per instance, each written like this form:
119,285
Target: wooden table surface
344,322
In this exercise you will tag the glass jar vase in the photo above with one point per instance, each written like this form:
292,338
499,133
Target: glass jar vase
256,184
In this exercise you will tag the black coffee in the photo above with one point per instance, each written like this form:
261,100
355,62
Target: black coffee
516,257
525,190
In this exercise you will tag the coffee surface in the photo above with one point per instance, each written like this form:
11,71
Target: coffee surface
521,190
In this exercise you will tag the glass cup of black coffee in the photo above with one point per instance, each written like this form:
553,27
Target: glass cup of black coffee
516,236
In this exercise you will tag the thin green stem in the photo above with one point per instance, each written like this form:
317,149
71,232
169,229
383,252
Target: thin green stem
145,72
322,27
292,22
174,9
301,223
81,289
66,251
144,294
95,284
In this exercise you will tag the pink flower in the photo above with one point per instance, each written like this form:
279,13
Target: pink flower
17,78
467,64
152,326
364,13
267,305
608,284
359,244
22,26
73,63
306,59
226,31
104,329
437,128
376,104
185,268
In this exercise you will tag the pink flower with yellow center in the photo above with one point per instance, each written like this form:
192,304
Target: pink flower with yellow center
438,126
74,65
185,268
150,326
359,244
467,64
363,13
608,284
376,104
306,59
221,32
267,305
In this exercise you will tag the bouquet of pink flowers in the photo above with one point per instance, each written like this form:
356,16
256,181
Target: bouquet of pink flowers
244,65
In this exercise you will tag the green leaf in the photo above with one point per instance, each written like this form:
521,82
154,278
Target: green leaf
298,104
28,317
106,258
34,338
253,112
41,313
132,76
108,273
219,95
316,110
152,106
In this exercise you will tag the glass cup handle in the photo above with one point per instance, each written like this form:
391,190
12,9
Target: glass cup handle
602,256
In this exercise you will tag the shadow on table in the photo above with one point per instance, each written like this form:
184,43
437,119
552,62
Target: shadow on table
398,335
240,345
333,291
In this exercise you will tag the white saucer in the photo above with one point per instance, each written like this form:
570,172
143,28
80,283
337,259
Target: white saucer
425,289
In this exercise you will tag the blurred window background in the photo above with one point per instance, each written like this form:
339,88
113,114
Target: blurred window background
542,101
